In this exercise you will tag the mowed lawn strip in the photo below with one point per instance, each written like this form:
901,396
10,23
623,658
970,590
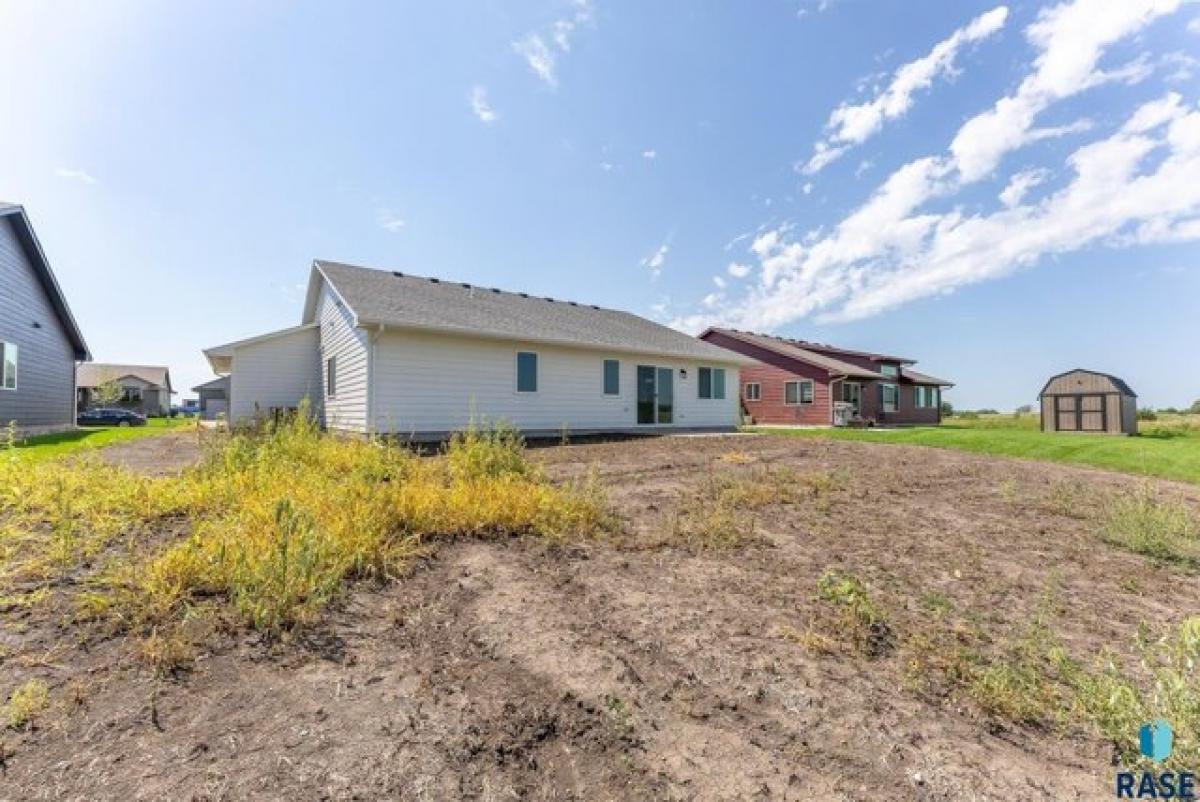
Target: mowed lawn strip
51,446
1170,450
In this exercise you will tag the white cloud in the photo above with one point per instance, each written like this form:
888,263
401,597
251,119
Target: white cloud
853,124
607,166
541,56
655,261
891,250
1110,199
650,154
807,188
389,220
1021,183
738,270
1193,25
75,175
480,105
719,281
1071,38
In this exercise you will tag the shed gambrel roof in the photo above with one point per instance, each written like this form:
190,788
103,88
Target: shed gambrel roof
41,268
387,298
1122,387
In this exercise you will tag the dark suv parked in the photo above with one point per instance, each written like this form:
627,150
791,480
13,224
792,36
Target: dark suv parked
108,416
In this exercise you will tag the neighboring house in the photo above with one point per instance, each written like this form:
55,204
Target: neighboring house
798,382
213,401
144,388
378,351
39,339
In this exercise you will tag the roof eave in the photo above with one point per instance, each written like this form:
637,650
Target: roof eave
732,358
33,247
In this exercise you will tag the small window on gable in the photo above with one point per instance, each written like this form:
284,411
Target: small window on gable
889,370
8,366
331,377
527,372
753,391
612,377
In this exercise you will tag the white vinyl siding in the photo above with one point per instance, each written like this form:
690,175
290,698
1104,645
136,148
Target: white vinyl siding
432,383
276,372
347,346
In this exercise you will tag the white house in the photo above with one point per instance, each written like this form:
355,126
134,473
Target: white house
384,352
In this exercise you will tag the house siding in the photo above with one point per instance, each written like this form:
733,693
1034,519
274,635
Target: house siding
436,383
45,394
348,344
278,372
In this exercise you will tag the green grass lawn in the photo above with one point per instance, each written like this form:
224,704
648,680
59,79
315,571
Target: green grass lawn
1168,448
50,446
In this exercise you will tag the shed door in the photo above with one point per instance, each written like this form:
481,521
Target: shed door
1091,413
1064,413
1081,413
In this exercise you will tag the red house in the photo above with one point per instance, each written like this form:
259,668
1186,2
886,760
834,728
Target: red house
798,382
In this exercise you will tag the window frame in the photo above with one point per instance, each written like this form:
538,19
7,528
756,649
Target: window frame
517,372
800,402
883,402
716,382
704,376
16,363
604,378
331,376
891,371
757,395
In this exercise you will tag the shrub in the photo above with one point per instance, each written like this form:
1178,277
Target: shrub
1161,529
861,617
1145,413
26,703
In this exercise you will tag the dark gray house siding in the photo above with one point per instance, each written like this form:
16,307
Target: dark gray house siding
44,398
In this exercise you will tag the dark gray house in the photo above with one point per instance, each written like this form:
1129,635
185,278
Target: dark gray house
39,339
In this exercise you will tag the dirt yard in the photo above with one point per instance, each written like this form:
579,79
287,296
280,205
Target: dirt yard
647,666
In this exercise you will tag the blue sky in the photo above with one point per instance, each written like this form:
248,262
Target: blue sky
999,191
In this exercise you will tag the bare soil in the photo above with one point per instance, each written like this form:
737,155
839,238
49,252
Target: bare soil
635,668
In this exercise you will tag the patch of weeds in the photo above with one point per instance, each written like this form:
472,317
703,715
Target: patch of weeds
1130,584
936,602
1070,498
620,714
1117,703
860,617
735,458
1010,491
1164,530
26,703
810,639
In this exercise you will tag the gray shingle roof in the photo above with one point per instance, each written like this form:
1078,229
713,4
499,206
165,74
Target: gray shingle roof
923,378
93,374
396,299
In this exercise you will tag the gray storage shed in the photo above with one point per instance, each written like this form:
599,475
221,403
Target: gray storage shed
1088,401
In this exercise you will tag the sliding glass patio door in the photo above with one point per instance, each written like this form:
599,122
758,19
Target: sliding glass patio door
655,395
